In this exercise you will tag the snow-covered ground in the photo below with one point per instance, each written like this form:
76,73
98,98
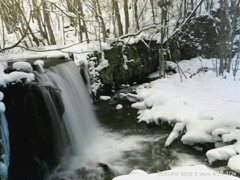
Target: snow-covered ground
202,107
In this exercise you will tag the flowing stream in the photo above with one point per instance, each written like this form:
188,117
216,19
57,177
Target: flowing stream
111,144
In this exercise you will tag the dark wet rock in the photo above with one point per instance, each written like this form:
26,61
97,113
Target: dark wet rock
127,64
32,129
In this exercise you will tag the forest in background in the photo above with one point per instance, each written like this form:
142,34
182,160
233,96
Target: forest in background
51,22
42,23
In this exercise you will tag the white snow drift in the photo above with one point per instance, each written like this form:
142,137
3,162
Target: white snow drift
204,108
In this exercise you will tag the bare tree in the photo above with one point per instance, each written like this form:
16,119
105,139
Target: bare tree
18,42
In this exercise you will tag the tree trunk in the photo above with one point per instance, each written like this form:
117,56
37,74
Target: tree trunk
164,34
48,24
70,8
223,38
83,21
232,21
3,36
103,26
80,34
136,14
37,15
161,64
118,17
185,8
114,19
153,11
126,16
192,5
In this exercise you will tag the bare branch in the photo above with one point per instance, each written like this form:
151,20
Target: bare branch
187,19
55,49
19,41
153,26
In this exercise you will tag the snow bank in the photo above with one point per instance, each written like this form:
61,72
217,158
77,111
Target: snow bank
204,108
198,172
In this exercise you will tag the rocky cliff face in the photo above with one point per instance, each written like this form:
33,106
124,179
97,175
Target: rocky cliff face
123,64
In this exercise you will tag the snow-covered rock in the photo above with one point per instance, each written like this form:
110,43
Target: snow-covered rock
122,95
140,105
25,66
217,133
177,130
138,171
132,97
119,106
40,65
234,163
1,96
104,98
18,77
222,153
2,107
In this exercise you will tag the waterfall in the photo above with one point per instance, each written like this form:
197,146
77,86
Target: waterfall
51,124
79,119
6,148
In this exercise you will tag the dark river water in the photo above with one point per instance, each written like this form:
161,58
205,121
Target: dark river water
149,152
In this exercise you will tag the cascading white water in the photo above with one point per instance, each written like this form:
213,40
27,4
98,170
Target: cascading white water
6,147
79,119
94,152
